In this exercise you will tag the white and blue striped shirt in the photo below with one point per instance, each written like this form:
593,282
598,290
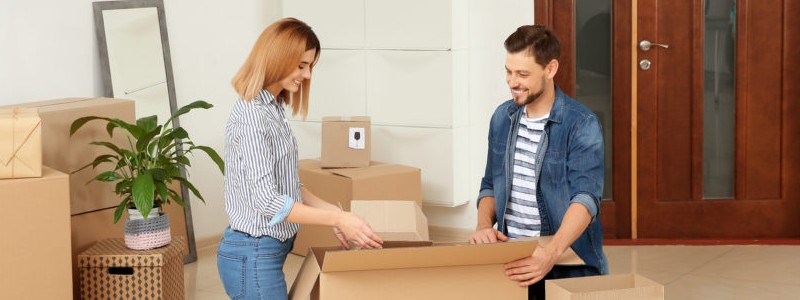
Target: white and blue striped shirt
522,212
261,175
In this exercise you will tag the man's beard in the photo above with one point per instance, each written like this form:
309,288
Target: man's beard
533,97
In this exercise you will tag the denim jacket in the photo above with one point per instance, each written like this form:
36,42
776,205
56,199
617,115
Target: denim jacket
569,167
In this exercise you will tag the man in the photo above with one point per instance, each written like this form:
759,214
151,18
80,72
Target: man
544,168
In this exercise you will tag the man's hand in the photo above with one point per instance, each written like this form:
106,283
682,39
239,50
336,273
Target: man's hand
531,269
486,236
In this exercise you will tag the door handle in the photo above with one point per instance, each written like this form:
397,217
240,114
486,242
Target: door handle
645,45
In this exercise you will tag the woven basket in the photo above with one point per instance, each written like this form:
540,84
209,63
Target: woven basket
148,234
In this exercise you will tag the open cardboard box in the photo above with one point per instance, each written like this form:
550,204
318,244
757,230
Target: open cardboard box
610,287
379,181
416,270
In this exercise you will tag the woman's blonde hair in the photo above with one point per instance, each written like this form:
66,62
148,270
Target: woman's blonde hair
275,55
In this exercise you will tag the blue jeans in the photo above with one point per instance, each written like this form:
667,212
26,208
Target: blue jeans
252,267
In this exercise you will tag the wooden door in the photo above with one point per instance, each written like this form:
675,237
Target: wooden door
615,209
761,199
672,98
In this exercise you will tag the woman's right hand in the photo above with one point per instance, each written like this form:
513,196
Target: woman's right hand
356,231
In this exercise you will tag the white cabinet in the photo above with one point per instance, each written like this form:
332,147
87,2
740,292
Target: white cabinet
417,88
338,85
416,24
404,64
338,23
441,153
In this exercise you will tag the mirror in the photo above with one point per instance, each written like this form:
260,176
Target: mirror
135,62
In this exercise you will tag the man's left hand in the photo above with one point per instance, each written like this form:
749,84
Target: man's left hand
531,269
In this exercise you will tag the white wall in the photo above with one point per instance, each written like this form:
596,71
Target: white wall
48,50
490,22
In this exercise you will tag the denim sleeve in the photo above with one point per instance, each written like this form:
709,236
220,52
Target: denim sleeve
487,182
585,163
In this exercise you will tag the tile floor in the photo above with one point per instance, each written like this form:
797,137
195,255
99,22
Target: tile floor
687,272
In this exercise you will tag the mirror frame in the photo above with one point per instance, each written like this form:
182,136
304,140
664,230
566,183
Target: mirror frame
108,90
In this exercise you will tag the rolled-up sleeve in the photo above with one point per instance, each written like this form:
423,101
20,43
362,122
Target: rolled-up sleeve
585,165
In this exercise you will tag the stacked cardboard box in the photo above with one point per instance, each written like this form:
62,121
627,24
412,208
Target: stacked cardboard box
91,203
20,143
346,142
35,256
378,181
109,270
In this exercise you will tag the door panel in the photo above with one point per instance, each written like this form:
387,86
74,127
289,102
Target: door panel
670,102
670,202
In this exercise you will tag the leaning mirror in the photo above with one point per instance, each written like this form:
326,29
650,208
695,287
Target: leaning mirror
136,65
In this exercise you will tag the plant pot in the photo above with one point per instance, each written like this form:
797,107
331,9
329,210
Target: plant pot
147,234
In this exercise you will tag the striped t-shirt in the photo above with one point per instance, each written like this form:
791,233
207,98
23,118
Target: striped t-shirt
522,212
261,175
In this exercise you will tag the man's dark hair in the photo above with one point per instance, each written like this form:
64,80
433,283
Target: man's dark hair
538,40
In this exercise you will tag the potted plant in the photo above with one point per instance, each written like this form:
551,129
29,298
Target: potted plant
144,169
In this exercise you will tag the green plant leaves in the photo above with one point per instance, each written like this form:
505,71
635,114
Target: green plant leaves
214,156
143,193
151,160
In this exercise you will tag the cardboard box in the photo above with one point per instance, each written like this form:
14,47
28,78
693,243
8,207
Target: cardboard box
346,142
109,270
89,228
35,256
415,272
66,154
393,220
20,143
611,287
379,181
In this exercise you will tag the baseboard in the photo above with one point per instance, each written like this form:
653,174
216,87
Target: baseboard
698,242
207,242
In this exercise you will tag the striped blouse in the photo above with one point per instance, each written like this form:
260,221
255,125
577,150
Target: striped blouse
261,176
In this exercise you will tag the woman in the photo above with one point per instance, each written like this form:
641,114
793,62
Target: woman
264,198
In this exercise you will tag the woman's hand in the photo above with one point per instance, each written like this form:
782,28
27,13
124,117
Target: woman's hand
353,229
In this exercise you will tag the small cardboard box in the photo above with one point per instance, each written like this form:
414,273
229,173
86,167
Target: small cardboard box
346,142
393,220
379,181
20,143
67,154
35,256
109,270
415,271
611,287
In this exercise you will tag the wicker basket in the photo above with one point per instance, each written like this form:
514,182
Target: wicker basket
148,234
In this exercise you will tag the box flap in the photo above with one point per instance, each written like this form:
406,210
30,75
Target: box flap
569,258
374,169
307,276
345,119
393,219
434,256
